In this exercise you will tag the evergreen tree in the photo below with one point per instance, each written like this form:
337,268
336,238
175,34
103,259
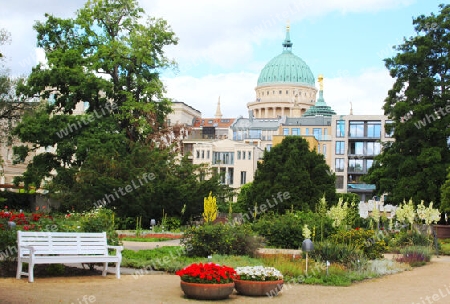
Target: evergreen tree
290,176
414,165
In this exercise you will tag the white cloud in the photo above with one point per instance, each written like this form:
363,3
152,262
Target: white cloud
366,92
235,91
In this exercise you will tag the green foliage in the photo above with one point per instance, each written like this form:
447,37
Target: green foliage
243,198
333,252
16,201
172,223
292,168
371,244
415,163
415,255
55,269
100,220
220,239
285,231
8,246
445,194
410,238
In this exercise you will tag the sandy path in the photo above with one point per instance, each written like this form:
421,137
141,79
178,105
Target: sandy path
424,285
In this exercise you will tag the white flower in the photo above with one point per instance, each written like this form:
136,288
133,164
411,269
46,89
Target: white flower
259,273
338,213
306,232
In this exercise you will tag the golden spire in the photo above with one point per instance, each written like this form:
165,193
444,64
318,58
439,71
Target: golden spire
320,80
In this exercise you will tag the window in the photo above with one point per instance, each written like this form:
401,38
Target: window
307,131
357,148
238,154
369,163
324,149
198,154
243,177
207,154
355,165
340,128
285,131
339,182
318,148
249,155
373,148
268,147
340,148
220,158
296,131
279,92
287,92
339,165
255,133
356,129
317,133
243,154
203,154
374,129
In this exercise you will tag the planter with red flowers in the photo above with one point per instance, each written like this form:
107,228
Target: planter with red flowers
207,281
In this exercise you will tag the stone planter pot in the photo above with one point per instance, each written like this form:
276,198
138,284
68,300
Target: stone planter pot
207,291
258,288
442,231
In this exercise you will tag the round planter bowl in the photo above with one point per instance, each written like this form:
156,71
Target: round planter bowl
207,291
258,288
442,231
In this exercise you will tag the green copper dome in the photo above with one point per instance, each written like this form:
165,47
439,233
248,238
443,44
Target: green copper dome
286,68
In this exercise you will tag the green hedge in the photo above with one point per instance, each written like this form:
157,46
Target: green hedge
220,238
285,231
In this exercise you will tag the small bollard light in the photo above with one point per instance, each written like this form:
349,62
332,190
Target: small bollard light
209,258
152,223
328,265
307,246
11,225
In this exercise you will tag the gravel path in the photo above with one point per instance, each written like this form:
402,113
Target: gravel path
424,285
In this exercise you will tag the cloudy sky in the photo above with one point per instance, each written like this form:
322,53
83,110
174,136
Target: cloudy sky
223,45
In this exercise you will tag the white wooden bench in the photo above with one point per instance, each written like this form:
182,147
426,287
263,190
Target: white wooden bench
64,247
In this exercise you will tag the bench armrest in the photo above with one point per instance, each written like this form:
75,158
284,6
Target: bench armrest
31,248
117,248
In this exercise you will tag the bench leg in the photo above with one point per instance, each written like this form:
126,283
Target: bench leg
118,270
30,272
19,269
105,269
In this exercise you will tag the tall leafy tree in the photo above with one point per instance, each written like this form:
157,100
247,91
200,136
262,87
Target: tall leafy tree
118,153
290,168
414,165
109,57
12,106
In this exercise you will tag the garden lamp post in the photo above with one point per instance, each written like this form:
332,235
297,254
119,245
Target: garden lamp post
307,246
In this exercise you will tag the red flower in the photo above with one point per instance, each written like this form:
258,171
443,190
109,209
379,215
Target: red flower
207,273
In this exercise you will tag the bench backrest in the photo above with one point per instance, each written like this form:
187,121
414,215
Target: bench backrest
63,242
